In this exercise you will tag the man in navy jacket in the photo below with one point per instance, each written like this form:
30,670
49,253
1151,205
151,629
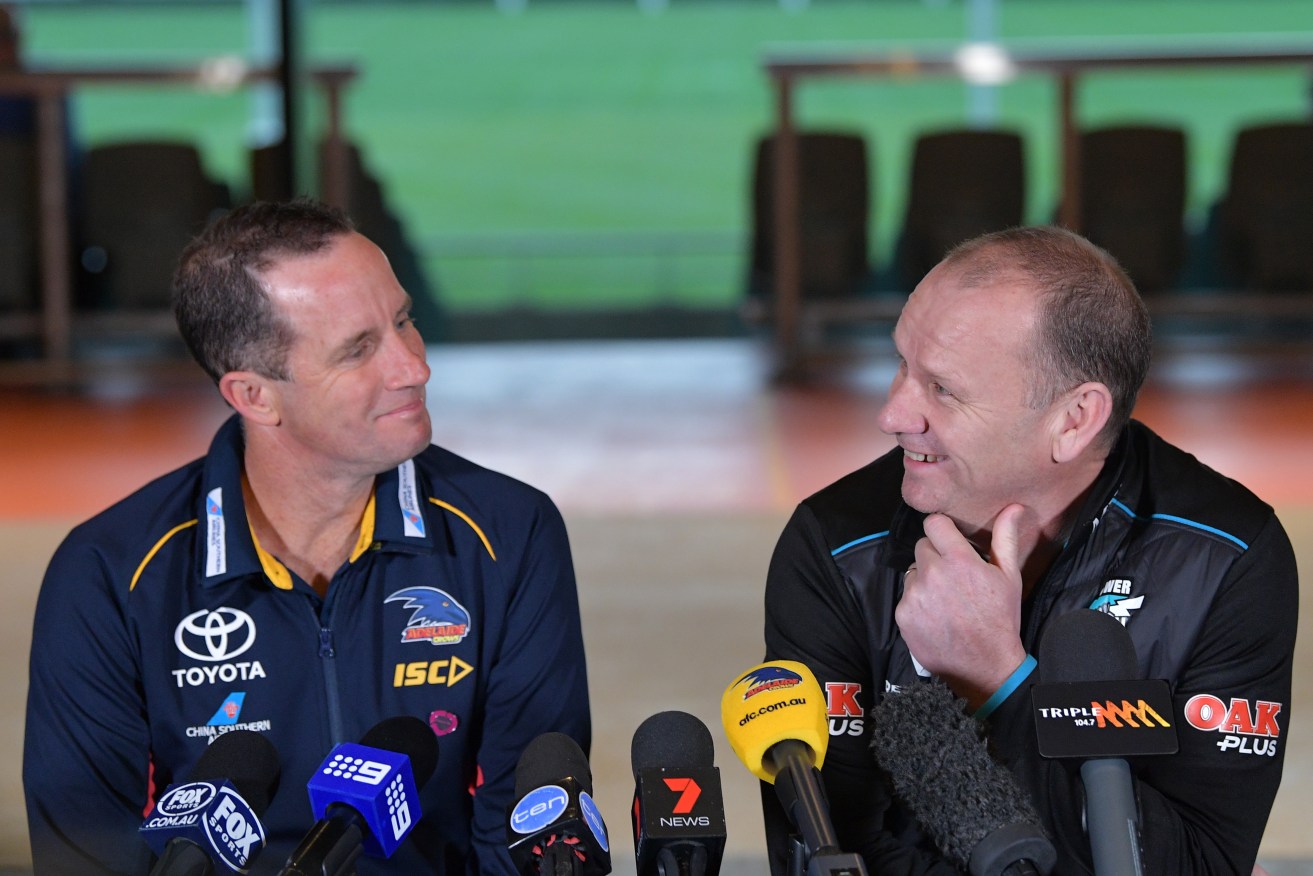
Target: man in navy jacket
322,568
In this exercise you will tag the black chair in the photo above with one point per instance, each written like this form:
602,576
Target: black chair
964,183
1132,199
19,222
833,216
143,202
1265,219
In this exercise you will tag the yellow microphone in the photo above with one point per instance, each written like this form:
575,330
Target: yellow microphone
771,703
774,717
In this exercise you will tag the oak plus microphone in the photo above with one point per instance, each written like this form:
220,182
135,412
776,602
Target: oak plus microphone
211,823
554,828
679,813
970,805
366,797
774,716
1092,705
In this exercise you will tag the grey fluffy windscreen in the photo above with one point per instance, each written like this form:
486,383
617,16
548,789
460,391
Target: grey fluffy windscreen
942,770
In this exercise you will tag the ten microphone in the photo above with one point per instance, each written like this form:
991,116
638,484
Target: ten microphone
366,797
679,812
211,823
554,827
970,805
774,716
1093,705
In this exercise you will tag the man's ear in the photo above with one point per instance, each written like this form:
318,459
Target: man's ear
1081,417
252,395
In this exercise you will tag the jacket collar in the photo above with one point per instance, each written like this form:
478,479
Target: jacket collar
228,549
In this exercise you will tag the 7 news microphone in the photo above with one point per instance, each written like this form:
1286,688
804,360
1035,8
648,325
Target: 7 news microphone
774,716
211,823
971,806
366,797
1092,705
679,811
554,828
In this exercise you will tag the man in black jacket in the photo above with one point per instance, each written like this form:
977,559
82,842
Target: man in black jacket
1021,490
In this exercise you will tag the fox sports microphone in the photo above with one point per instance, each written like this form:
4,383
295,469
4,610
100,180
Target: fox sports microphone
972,807
679,812
774,716
1093,705
366,797
210,824
554,828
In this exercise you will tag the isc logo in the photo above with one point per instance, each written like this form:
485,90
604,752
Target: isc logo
371,772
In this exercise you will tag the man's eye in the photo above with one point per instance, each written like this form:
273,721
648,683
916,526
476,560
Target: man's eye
940,389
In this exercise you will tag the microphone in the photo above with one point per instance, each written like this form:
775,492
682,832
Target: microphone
679,811
1093,705
970,805
554,827
774,716
365,797
211,823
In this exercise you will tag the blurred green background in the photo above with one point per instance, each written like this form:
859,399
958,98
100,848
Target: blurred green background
579,156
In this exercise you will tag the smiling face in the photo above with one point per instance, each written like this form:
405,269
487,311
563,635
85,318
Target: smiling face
958,404
354,404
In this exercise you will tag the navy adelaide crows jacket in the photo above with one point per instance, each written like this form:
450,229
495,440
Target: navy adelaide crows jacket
161,624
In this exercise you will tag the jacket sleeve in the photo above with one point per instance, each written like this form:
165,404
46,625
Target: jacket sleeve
1204,809
812,616
86,748
539,683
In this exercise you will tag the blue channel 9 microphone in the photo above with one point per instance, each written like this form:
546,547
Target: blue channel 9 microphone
210,824
554,828
679,810
366,797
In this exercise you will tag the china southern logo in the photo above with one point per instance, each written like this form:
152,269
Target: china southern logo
436,616
1116,600
229,712
768,678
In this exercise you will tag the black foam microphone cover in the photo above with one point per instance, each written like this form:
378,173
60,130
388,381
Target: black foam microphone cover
673,740
1086,645
549,758
408,735
246,759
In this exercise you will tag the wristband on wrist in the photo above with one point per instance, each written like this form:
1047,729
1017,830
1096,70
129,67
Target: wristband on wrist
1013,681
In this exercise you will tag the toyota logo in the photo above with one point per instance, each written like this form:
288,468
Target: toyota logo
221,634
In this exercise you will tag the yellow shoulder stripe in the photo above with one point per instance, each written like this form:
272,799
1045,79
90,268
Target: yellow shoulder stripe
159,544
463,516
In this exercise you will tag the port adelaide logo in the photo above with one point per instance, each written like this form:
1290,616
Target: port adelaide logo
215,638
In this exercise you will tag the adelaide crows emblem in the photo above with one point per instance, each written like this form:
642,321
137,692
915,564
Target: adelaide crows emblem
767,678
436,617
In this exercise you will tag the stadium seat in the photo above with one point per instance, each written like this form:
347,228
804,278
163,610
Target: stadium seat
144,200
1265,218
1132,199
963,183
834,206
18,224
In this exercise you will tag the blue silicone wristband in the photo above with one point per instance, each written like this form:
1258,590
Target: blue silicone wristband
1020,674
